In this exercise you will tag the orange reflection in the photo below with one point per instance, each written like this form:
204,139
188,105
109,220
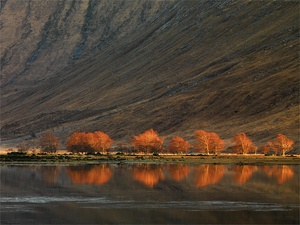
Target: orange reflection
95,175
208,174
243,173
280,173
179,172
148,175
49,173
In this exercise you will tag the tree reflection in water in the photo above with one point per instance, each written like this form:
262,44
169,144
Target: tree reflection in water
243,173
90,175
148,174
179,172
280,173
151,174
208,174
49,174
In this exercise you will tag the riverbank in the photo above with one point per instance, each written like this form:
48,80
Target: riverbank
80,159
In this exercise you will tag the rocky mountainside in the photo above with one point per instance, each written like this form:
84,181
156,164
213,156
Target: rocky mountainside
126,66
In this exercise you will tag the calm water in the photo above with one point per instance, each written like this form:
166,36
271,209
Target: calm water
150,194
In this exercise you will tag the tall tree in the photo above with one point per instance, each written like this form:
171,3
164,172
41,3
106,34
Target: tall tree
78,142
202,141
147,142
102,140
216,143
282,144
208,142
242,144
89,142
49,142
266,147
178,145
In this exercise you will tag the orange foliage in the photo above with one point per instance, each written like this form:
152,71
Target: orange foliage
96,175
243,144
208,174
78,142
147,142
216,143
87,142
280,173
179,172
102,141
243,173
282,144
266,147
148,175
208,142
178,145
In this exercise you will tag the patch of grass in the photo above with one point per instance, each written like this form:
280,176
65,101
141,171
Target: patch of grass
182,159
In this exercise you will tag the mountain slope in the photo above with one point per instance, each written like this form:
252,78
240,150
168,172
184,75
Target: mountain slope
220,66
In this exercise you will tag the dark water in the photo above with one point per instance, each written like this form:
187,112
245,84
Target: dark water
150,194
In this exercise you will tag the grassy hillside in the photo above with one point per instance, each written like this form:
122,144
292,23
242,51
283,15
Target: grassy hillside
219,66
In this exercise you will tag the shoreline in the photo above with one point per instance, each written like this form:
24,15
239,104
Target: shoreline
76,159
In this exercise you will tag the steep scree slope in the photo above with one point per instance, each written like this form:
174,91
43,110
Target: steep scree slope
126,66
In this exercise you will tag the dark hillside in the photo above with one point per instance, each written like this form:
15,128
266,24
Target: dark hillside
174,66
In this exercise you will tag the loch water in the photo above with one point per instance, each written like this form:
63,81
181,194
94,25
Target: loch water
150,194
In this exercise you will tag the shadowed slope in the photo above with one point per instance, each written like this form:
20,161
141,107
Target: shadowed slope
225,67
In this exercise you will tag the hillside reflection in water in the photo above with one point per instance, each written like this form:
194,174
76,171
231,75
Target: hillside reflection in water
149,193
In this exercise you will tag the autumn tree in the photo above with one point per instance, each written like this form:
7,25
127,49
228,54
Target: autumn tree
147,142
242,144
89,142
266,147
178,145
282,144
208,142
102,141
78,142
216,143
49,142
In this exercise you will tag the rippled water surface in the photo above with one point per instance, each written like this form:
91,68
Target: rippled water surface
150,194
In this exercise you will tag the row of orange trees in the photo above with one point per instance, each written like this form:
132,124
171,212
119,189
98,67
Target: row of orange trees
204,142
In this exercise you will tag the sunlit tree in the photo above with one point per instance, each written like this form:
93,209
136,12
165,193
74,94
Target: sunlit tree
282,144
216,143
148,142
178,145
208,142
78,142
49,142
102,141
266,147
242,144
89,142
201,141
